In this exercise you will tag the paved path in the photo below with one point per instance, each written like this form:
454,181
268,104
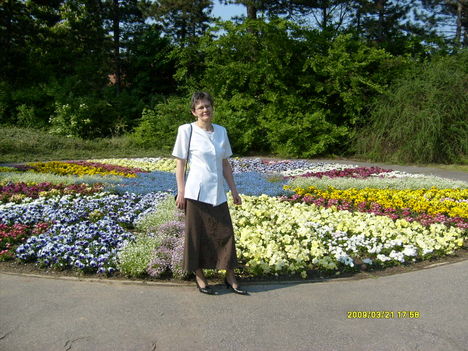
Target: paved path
56,314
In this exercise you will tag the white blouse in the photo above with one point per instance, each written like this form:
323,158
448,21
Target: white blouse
207,150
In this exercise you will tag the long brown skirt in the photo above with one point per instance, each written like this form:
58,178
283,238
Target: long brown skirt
209,237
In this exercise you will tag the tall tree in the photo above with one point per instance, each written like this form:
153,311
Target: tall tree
270,8
183,20
391,25
27,54
327,14
252,6
452,14
379,20
121,20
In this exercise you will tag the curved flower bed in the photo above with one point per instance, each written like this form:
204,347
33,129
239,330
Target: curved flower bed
19,192
357,172
298,216
278,236
79,168
85,231
433,202
147,164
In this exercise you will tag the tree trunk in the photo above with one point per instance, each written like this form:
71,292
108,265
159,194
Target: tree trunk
9,34
116,30
358,19
380,5
251,11
459,22
324,17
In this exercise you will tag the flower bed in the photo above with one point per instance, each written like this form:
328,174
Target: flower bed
278,236
19,192
78,168
298,216
355,172
11,236
440,203
86,231
147,164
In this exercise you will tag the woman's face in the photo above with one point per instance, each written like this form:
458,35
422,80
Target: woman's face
203,111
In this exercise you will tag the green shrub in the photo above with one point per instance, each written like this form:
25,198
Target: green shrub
158,126
301,131
422,118
285,89
86,117
26,116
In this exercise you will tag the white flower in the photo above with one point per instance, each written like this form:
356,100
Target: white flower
397,256
410,250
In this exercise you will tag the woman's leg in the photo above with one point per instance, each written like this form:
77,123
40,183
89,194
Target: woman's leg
200,277
231,278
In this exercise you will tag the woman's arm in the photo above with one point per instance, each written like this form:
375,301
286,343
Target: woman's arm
227,172
180,170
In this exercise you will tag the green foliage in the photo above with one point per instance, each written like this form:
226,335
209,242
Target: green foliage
29,106
83,117
183,20
281,125
166,211
239,115
422,118
158,126
295,129
135,256
285,89
148,66
26,116
346,77
280,87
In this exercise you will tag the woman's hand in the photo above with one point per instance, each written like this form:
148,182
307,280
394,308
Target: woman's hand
180,201
236,197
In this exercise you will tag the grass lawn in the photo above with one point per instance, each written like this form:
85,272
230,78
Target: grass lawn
27,145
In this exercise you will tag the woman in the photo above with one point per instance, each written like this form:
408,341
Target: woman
209,236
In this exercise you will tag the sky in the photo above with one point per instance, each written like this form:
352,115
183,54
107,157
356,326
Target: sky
227,11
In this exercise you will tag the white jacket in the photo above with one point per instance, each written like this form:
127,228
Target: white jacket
207,150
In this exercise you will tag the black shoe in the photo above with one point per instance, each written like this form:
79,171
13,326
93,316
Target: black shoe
236,290
206,290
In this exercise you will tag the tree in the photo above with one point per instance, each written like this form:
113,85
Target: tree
148,66
269,7
327,14
26,58
121,19
450,14
252,6
393,25
183,20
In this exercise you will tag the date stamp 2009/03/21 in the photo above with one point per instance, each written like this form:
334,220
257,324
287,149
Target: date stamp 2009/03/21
383,314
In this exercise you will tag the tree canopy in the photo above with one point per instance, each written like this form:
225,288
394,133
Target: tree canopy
290,77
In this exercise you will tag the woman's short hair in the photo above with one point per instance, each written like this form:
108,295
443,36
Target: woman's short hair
200,95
